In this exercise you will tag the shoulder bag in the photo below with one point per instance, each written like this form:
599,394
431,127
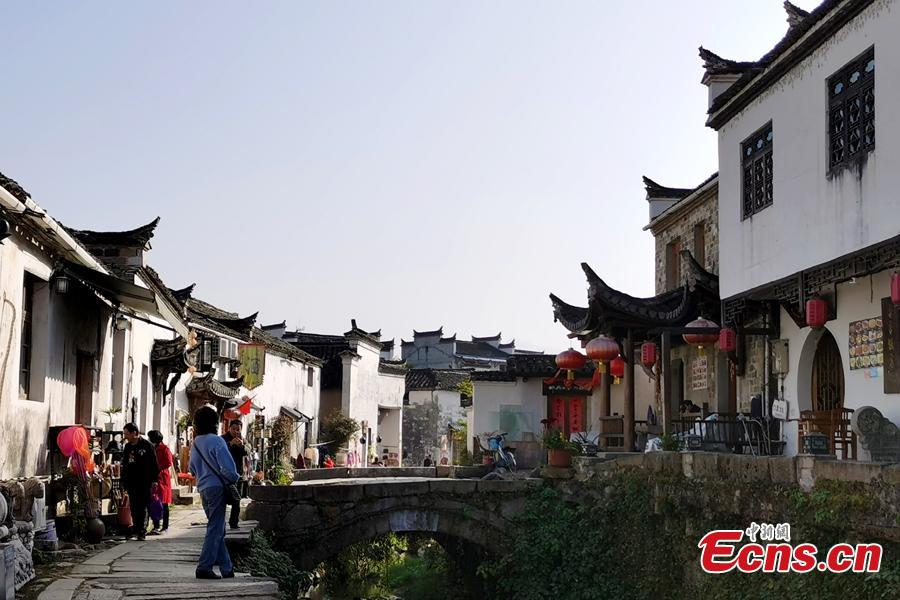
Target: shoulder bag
232,494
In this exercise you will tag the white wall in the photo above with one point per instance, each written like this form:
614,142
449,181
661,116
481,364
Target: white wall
814,218
63,325
364,390
286,384
524,397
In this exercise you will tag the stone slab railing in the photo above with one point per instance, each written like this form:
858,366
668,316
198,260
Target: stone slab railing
802,470
454,472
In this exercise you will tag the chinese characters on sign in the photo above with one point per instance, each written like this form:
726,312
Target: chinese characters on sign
699,374
253,364
866,343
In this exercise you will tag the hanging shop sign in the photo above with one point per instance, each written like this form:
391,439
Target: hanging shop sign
253,364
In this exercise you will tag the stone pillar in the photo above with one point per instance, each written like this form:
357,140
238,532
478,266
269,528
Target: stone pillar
629,392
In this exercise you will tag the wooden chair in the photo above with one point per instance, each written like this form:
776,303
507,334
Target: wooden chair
835,425
611,436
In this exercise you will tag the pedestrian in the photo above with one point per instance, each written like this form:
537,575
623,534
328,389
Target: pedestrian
237,450
165,460
428,462
329,464
139,471
213,468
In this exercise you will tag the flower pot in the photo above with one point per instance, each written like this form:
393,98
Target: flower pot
94,530
487,459
108,426
559,458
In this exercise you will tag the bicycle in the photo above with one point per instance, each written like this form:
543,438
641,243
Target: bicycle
502,457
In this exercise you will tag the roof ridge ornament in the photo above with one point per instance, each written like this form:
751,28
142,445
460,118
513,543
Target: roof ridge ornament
795,14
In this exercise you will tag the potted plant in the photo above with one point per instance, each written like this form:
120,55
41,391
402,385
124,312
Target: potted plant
559,449
109,412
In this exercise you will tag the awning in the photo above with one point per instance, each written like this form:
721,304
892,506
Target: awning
295,415
117,291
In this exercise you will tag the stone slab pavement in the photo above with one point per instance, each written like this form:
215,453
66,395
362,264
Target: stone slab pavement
160,568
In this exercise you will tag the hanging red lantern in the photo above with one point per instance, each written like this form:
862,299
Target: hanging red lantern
727,340
648,354
816,312
602,350
617,369
895,288
701,339
570,360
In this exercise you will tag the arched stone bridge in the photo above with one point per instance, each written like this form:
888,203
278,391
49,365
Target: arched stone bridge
314,520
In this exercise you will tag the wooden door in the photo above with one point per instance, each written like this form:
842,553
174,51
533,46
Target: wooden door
827,375
567,413
84,388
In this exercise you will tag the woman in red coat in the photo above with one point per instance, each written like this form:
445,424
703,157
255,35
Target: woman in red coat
165,461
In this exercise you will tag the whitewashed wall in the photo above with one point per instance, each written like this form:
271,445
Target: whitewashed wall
814,218
59,332
364,389
491,395
286,384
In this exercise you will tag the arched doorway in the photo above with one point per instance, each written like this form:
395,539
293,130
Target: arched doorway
827,391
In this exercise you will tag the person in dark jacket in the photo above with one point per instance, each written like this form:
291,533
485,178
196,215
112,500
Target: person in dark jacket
237,450
139,471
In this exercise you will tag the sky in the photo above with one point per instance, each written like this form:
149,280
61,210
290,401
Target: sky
410,164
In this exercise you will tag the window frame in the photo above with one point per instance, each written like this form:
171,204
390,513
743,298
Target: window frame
310,376
761,155
26,336
843,77
673,263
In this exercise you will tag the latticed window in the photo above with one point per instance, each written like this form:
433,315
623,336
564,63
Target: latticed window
851,111
756,154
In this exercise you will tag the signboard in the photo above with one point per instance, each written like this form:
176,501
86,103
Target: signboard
866,343
253,364
699,374
576,414
891,339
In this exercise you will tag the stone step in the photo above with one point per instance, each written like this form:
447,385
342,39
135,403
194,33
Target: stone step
185,498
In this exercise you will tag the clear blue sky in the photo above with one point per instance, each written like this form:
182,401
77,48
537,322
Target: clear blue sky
410,164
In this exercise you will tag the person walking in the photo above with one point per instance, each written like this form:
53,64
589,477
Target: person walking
213,468
139,471
238,452
165,460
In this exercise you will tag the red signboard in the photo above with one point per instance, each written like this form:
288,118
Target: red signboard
576,414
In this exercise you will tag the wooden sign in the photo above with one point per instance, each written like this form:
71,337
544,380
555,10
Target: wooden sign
699,373
891,339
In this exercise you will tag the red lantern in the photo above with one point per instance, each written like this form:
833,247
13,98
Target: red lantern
727,340
816,312
648,354
570,360
701,339
895,288
602,350
617,369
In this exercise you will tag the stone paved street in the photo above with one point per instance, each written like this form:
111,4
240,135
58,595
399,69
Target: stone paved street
160,568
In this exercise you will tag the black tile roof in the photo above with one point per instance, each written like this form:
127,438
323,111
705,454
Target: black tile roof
281,325
387,346
529,365
448,340
393,367
490,338
154,281
480,350
13,187
437,332
436,379
793,48
134,237
654,190
282,348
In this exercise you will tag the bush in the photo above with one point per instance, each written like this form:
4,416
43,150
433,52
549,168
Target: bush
337,428
263,560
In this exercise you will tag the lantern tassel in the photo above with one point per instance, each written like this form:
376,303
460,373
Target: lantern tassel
595,380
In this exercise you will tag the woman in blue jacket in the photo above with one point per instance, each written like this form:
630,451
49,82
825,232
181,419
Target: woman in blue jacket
212,466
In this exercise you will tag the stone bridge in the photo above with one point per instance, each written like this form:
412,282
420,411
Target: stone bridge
314,520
